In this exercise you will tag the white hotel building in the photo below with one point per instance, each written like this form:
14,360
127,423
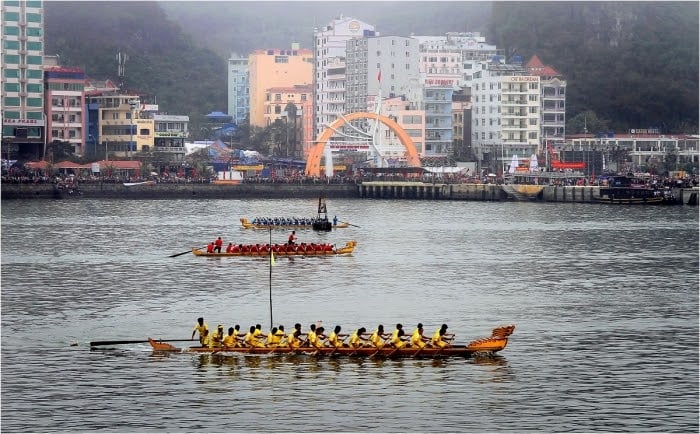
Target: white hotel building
505,114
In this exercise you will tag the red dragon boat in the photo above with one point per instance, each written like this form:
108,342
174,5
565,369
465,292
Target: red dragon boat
301,249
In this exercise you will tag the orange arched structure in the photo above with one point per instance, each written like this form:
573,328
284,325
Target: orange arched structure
313,162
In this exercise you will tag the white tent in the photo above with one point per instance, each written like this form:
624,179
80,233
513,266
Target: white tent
513,164
533,163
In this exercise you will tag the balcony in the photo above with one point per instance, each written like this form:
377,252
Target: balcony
169,149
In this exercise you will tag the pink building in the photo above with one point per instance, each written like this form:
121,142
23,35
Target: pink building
276,68
65,106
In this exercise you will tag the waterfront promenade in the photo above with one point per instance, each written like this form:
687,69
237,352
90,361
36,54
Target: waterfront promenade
360,190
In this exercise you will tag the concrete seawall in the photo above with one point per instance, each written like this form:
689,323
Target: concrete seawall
366,190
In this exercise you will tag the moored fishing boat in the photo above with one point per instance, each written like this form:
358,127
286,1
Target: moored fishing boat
302,249
623,190
291,223
496,342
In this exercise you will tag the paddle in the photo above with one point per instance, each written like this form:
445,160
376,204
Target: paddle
349,224
185,252
386,341
98,343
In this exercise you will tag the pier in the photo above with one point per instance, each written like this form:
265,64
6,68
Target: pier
407,190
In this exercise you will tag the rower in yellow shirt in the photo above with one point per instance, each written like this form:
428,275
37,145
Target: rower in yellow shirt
229,340
251,340
205,339
336,339
438,339
378,336
417,339
258,332
199,328
217,336
294,340
310,336
356,338
280,335
273,338
397,339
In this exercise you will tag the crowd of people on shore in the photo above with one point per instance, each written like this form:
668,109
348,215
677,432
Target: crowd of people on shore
316,337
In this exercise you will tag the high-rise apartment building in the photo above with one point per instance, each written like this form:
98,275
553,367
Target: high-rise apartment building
238,88
380,65
276,68
329,67
22,76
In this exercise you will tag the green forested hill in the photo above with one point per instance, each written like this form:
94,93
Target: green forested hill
164,62
634,64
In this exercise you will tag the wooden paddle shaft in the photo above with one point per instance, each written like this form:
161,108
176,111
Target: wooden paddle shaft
125,342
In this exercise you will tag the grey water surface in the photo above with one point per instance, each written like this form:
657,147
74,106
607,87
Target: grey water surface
604,299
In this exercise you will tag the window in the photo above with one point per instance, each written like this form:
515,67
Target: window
12,101
532,135
533,121
11,16
34,31
145,132
303,97
281,59
33,18
34,46
11,59
34,115
278,109
11,73
11,87
35,87
34,60
278,97
35,102
10,45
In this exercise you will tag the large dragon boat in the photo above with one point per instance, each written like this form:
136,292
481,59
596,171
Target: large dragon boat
301,249
291,223
496,342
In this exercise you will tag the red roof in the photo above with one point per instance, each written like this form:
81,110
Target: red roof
37,164
70,165
120,164
534,62
536,67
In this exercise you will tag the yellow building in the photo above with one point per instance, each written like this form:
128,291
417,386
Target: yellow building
121,132
276,68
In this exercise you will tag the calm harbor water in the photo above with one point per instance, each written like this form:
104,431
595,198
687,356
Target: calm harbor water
604,298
